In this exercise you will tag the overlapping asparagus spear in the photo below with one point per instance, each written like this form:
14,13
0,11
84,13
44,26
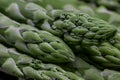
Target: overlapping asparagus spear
23,66
78,28
110,16
56,4
61,23
91,34
26,12
84,69
111,4
40,44
106,54
90,72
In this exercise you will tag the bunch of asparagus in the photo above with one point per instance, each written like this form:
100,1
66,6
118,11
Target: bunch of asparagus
65,41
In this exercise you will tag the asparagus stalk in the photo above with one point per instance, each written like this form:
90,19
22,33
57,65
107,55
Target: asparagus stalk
56,4
40,44
106,55
110,4
78,28
89,72
110,16
26,12
69,25
24,66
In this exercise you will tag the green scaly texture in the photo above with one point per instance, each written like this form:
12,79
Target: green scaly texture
107,54
40,44
78,29
26,12
26,67
56,4
110,4
110,16
85,33
89,72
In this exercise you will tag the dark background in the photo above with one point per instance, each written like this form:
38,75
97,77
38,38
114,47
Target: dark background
4,76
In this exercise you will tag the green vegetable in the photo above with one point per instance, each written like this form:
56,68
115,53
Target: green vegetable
40,44
60,23
110,4
26,12
110,74
106,55
78,28
84,69
24,66
56,4
89,71
110,16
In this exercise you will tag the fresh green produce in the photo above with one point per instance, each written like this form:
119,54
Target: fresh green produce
56,4
101,12
78,29
82,68
40,44
110,16
111,4
83,20
26,12
111,74
105,54
89,28
23,66
90,72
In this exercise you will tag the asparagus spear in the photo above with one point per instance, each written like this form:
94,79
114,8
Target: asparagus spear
62,23
84,69
24,66
26,12
89,72
110,16
40,44
57,4
110,4
78,28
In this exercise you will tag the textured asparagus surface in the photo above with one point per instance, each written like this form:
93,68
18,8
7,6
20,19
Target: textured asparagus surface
40,44
24,66
60,39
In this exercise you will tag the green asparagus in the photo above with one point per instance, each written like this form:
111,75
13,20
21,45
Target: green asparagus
110,74
110,4
82,68
89,72
26,12
110,16
40,44
23,66
56,4
106,55
47,54
58,20
78,28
